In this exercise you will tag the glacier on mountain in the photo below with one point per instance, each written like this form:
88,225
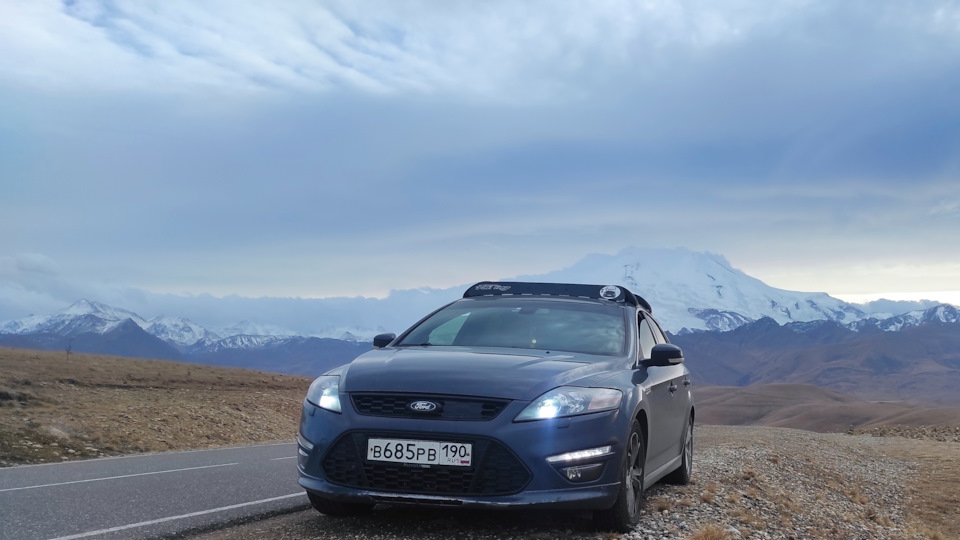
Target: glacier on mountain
701,291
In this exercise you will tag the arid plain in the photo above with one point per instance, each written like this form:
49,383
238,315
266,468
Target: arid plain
753,482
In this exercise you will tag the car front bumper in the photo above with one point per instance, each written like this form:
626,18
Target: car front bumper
322,435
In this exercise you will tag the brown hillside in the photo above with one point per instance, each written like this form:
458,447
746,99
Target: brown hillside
808,407
919,364
54,409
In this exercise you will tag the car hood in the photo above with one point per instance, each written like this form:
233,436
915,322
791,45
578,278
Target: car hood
451,370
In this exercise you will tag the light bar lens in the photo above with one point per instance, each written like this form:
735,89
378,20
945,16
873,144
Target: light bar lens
581,455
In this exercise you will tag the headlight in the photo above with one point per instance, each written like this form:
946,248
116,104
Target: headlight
571,401
325,393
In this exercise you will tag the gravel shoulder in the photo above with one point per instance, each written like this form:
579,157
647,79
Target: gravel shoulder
749,482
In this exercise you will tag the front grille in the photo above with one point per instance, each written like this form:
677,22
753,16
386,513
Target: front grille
495,470
450,408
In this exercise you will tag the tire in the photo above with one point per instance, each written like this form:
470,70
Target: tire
624,515
681,476
336,508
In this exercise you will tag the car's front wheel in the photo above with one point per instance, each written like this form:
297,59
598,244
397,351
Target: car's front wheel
337,508
625,513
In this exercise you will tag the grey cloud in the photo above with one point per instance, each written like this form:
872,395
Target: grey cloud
236,148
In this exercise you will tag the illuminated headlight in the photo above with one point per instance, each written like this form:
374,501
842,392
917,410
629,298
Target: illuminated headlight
571,401
325,393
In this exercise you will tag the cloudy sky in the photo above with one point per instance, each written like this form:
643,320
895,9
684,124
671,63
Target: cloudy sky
338,148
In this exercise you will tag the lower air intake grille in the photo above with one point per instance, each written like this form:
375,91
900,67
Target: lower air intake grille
495,470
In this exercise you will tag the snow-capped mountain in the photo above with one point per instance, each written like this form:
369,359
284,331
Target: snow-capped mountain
247,328
943,313
699,297
689,291
80,317
701,291
87,316
243,341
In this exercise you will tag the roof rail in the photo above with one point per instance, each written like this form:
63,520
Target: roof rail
613,293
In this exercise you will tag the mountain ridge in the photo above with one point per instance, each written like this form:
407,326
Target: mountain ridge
745,332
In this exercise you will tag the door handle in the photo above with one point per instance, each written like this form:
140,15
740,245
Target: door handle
673,388
686,382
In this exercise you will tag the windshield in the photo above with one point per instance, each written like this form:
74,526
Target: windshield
590,328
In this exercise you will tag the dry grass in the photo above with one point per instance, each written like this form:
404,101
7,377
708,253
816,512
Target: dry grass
52,409
659,504
855,496
935,493
808,407
710,532
875,516
749,518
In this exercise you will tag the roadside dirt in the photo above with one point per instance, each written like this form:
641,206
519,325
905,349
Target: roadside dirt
55,409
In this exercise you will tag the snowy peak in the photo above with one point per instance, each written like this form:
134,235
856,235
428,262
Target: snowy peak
103,311
248,328
179,331
86,316
701,291
249,342
944,313
80,317
689,291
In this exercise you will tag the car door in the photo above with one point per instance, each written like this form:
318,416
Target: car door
657,386
678,407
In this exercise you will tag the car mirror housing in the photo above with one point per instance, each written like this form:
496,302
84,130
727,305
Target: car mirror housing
382,340
664,354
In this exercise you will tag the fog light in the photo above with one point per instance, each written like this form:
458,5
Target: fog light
583,473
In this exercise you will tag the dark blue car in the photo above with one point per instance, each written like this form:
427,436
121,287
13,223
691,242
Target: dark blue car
518,394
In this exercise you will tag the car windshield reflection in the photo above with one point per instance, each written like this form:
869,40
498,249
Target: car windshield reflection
525,324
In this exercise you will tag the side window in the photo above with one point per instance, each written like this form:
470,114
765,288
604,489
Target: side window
658,332
647,341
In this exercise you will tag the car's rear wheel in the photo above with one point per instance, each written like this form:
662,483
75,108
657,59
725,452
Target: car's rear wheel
682,474
337,508
625,513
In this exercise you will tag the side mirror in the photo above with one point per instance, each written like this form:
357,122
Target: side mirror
382,340
665,354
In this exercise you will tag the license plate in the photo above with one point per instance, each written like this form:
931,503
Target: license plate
420,452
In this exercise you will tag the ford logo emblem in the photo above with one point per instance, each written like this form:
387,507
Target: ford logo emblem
422,406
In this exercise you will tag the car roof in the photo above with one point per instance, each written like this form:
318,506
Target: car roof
613,293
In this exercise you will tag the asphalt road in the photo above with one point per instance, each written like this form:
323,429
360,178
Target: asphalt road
151,495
